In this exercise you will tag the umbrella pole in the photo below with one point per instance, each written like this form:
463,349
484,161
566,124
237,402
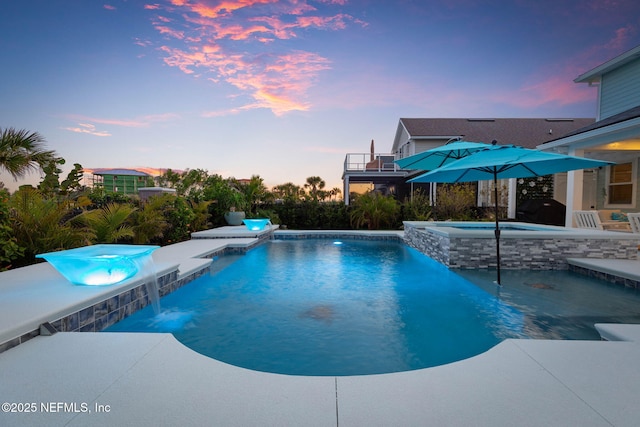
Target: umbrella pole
497,230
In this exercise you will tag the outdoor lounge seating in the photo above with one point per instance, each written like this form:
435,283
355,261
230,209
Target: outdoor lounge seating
634,221
600,220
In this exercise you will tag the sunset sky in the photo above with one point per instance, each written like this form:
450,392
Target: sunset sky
284,89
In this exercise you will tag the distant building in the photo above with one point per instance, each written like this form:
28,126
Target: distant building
122,181
377,171
146,192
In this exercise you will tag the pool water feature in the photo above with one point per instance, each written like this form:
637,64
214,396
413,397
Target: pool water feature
100,265
257,224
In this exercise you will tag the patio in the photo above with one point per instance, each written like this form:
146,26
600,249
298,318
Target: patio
151,379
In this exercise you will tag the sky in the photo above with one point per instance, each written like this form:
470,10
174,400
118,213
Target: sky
284,89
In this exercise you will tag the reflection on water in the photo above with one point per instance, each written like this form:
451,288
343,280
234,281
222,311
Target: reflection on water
311,307
561,304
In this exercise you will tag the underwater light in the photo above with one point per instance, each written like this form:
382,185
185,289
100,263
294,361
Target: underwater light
337,242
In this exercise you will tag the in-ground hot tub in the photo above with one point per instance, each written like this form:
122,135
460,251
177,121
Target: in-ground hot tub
99,265
467,244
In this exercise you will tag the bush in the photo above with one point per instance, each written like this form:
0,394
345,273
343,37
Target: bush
374,211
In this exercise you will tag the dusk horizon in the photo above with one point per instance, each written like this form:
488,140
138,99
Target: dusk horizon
285,89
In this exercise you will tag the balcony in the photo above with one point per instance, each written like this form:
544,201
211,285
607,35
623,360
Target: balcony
370,163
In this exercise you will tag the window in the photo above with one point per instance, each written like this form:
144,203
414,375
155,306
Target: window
621,185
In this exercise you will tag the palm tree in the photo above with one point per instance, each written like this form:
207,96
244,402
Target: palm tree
110,223
288,192
315,184
22,152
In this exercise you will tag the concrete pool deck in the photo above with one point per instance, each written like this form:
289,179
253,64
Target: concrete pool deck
152,379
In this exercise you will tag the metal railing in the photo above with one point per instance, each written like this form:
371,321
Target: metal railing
370,162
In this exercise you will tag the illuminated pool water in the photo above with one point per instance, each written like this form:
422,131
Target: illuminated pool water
256,224
316,307
323,307
99,265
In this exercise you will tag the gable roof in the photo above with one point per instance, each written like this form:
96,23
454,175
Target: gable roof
527,133
595,74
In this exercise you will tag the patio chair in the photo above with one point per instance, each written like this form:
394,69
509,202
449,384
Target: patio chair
634,221
587,219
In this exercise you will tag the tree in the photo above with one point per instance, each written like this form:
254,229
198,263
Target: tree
288,192
315,184
22,152
254,192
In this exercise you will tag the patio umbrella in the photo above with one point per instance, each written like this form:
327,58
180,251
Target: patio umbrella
440,156
508,161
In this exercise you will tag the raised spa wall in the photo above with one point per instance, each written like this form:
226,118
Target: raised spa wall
534,250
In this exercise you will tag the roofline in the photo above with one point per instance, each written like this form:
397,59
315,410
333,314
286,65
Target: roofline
621,130
595,74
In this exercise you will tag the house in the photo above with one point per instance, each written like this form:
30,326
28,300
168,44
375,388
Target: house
122,181
615,136
378,172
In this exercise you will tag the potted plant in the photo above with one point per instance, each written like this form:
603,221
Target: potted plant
235,202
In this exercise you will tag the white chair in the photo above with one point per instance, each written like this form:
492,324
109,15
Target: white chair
634,221
587,219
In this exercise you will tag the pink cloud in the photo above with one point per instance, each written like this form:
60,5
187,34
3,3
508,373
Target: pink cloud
87,124
213,40
109,7
556,85
88,129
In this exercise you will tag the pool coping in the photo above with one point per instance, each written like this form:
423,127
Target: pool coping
147,379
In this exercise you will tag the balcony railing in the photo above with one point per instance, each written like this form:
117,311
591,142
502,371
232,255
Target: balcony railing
368,162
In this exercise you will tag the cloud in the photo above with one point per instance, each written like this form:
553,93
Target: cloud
109,7
87,124
555,85
237,42
87,128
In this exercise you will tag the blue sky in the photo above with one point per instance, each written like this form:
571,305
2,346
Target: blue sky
284,89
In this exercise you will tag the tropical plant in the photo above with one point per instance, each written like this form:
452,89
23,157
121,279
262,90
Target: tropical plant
315,184
9,248
288,192
22,152
374,210
110,223
455,202
254,192
44,225
149,222
417,207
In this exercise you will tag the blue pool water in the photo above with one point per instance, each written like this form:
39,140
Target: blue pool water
319,307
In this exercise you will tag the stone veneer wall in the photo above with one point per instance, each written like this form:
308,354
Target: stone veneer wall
607,277
534,254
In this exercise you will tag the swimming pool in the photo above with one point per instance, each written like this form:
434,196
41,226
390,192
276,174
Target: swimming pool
325,307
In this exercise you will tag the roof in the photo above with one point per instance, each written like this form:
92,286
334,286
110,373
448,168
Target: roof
618,118
128,172
595,74
527,133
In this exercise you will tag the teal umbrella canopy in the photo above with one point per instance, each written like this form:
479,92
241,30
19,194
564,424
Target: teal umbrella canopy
507,161
440,156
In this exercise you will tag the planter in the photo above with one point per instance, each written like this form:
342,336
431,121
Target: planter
234,218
